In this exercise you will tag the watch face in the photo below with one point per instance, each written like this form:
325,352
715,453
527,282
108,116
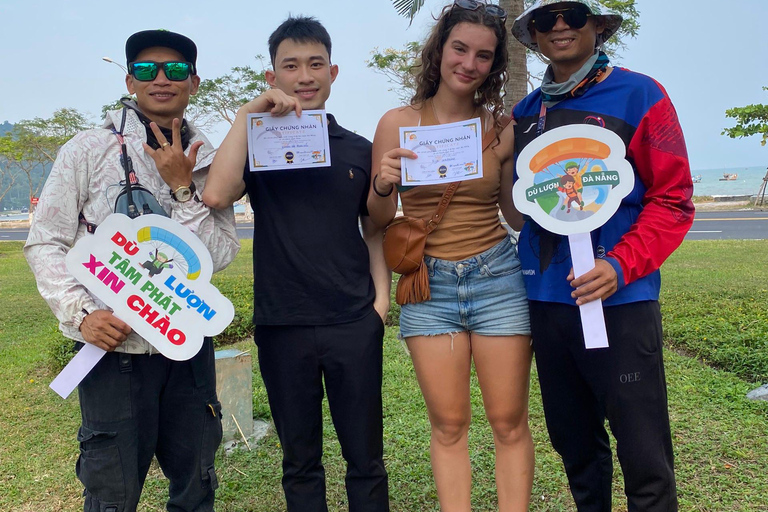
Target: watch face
183,194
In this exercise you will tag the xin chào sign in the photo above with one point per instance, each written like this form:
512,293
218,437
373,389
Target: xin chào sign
571,180
155,275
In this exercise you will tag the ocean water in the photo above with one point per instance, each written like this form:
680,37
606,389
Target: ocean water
748,182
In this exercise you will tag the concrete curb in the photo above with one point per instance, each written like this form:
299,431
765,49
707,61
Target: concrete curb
260,430
760,393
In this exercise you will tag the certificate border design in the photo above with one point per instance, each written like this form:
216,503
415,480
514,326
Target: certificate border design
472,124
323,160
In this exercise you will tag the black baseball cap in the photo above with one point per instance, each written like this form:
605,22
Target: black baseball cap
163,38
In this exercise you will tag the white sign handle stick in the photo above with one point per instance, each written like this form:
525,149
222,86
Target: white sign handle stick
592,319
77,369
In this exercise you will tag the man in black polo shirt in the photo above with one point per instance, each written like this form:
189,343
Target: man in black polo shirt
321,291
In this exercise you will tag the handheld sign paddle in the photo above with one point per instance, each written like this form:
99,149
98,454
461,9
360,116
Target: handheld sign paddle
155,275
571,180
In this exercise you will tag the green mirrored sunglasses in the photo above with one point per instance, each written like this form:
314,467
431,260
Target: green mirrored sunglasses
146,71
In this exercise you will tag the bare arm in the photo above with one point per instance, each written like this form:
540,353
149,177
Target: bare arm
506,151
382,277
385,167
225,181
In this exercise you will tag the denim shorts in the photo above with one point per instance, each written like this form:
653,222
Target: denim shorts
484,295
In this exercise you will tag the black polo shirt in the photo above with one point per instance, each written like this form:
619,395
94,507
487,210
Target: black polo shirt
310,263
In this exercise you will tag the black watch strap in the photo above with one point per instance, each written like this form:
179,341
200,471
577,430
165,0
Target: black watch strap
183,196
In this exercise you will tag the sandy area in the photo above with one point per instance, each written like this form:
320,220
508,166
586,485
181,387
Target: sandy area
724,205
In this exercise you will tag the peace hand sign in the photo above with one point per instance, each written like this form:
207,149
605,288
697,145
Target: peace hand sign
175,167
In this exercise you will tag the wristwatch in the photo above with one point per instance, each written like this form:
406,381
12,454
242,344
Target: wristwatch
183,194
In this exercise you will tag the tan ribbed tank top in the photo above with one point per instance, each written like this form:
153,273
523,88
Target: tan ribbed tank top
471,222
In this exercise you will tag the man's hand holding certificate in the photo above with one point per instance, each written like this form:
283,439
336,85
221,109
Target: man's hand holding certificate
446,153
288,141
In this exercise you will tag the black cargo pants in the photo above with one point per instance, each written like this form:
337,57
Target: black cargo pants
137,406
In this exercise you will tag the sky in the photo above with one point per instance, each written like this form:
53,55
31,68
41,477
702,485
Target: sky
709,55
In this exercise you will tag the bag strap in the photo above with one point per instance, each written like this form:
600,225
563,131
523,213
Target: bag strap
442,206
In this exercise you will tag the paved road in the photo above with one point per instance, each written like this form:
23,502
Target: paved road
744,225
730,225
13,234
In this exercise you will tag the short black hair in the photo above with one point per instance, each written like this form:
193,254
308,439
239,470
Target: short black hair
303,29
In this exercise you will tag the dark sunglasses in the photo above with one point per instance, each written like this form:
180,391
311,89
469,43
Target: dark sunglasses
147,71
575,17
473,5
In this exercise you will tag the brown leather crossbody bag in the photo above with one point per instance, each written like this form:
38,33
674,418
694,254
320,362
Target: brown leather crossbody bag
404,241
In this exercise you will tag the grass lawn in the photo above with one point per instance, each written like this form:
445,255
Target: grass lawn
720,437
715,304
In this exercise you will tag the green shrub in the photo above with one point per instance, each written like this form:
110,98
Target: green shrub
60,350
240,292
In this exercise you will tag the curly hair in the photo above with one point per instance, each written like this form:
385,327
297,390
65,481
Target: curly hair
427,71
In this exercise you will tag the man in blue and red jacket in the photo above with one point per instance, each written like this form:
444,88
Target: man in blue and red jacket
624,383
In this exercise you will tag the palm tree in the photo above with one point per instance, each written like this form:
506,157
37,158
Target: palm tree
517,82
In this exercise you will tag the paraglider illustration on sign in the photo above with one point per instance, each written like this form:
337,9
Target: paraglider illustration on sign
154,274
158,237
571,180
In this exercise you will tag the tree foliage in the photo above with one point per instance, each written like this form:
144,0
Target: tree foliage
31,146
8,173
399,67
750,120
629,28
115,105
41,138
408,8
220,98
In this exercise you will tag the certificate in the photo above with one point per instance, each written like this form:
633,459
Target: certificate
288,142
446,152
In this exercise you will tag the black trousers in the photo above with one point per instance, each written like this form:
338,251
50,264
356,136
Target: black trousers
624,383
137,406
294,362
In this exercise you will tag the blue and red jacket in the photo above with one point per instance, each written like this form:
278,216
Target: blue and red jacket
651,221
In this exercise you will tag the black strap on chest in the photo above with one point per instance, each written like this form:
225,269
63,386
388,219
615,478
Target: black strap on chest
131,184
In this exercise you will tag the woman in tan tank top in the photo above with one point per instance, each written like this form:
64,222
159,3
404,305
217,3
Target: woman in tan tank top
478,310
